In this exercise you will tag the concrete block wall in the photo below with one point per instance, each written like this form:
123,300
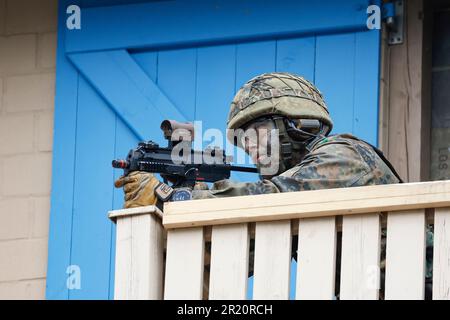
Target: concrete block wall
27,86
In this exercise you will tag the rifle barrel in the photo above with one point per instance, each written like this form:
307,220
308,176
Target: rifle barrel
244,169
120,164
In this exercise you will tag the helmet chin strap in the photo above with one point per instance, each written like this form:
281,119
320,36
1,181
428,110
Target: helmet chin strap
292,151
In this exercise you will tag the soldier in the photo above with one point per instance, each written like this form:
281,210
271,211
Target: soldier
309,159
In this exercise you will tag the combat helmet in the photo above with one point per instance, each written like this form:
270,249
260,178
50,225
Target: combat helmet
280,96
277,93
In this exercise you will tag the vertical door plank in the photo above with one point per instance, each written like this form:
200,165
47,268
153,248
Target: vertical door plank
229,262
360,262
215,64
184,264
63,161
91,235
177,73
405,255
252,59
297,56
366,85
339,95
441,255
316,258
272,260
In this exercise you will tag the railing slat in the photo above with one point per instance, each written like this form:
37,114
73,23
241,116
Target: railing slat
139,257
360,262
184,264
272,260
229,262
441,255
316,258
405,255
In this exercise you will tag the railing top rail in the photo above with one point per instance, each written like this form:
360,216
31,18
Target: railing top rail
114,214
307,204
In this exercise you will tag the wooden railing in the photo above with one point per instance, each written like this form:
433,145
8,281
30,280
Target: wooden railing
163,256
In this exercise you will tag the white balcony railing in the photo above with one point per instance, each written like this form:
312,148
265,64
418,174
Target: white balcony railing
165,258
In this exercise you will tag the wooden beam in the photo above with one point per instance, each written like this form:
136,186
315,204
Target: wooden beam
177,23
405,97
383,109
306,204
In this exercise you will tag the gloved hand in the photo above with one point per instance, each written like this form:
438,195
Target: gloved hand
139,188
200,186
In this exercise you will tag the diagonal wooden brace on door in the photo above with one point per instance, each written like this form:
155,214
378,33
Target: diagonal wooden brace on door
135,98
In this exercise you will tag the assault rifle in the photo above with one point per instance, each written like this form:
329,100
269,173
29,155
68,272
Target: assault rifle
178,162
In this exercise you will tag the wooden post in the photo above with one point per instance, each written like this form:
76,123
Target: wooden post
405,97
139,253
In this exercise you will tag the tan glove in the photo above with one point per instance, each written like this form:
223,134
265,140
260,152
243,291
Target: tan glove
139,188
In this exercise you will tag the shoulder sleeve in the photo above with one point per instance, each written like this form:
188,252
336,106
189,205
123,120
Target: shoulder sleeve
228,188
334,165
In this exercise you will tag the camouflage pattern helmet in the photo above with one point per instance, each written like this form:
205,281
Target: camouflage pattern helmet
277,93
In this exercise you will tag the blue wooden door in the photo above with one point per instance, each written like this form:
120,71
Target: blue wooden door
134,63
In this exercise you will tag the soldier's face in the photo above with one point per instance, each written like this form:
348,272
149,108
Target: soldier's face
261,143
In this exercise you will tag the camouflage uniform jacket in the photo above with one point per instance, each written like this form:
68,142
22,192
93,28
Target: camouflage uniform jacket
337,161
